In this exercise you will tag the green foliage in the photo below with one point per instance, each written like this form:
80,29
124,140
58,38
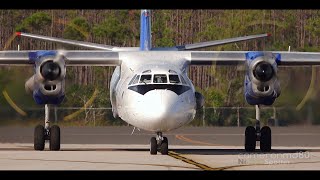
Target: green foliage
115,28
216,97
163,35
37,21
78,95
77,29
72,13
166,38
299,29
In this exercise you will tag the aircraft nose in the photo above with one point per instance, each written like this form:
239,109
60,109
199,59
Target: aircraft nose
159,104
160,107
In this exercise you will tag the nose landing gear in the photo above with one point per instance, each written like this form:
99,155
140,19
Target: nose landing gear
159,143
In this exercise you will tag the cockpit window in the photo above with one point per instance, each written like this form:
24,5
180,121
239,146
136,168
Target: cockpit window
174,78
145,79
166,81
136,80
160,78
132,79
182,80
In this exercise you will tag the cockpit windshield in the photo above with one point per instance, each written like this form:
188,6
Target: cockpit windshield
146,78
136,80
160,78
173,78
147,81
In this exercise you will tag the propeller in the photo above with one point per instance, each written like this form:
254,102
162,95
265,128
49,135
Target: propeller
50,70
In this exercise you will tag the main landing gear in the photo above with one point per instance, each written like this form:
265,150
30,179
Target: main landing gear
42,133
159,143
256,134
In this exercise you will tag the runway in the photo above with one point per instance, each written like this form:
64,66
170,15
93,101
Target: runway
191,148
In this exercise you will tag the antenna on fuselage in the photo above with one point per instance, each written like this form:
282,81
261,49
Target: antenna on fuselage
289,49
134,128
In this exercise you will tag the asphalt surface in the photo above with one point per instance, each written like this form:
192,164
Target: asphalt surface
212,136
190,148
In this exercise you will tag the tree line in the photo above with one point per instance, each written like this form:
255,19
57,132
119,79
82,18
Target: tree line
222,86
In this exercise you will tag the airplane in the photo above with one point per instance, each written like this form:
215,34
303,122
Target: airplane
150,88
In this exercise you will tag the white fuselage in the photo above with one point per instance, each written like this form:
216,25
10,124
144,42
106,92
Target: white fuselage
153,105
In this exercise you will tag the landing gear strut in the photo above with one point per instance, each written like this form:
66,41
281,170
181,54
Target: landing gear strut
159,143
42,133
253,134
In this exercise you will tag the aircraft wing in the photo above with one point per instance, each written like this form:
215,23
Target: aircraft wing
284,58
72,58
220,42
78,43
298,58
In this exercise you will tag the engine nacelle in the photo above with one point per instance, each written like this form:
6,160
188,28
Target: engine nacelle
199,100
48,83
261,84
254,98
262,70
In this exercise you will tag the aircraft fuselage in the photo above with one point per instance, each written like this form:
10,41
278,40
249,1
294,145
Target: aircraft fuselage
153,94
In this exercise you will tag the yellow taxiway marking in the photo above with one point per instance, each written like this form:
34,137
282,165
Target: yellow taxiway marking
183,138
190,161
12,104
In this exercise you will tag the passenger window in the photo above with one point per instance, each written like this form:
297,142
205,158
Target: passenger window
145,79
160,78
174,79
136,80
132,79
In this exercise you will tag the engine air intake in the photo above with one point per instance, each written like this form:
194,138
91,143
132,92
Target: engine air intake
50,70
263,71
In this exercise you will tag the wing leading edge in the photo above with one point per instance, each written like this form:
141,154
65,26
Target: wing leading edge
237,57
73,58
107,58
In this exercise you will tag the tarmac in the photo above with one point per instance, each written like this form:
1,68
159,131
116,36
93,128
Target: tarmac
190,148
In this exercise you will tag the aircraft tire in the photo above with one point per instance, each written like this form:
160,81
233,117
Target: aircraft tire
164,146
153,146
55,138
265,139
39,138
250,139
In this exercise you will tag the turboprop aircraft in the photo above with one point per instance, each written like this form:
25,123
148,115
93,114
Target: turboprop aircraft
150,88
